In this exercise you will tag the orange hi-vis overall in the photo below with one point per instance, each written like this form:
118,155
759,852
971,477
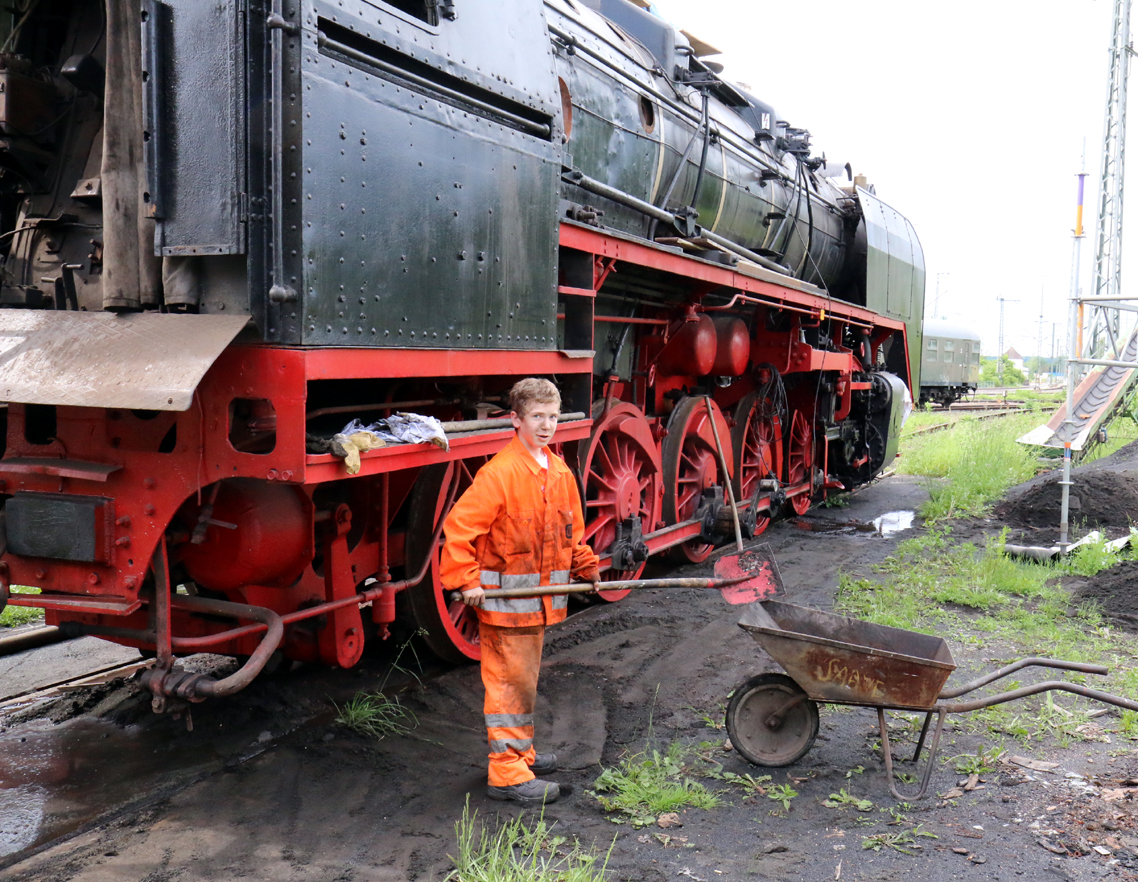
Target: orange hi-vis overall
517,526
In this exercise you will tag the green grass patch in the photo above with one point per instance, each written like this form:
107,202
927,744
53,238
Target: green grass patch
975,463
644,786
14,616
518,851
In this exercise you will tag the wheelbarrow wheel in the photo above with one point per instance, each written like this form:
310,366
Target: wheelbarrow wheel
770,720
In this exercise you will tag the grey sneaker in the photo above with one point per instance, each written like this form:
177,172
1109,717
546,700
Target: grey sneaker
544,763
533,792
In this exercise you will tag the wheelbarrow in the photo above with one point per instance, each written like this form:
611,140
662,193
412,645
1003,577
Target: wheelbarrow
772,718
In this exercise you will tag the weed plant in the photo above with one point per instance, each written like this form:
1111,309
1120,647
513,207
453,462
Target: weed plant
519,852
643,786
14,616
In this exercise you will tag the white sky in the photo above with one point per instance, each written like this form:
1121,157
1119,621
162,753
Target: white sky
968,117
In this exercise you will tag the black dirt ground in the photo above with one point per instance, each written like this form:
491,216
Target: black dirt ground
268,787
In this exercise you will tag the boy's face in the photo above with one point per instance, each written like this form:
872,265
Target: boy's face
537,425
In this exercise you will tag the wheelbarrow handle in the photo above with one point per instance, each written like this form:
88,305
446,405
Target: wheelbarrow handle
1056,663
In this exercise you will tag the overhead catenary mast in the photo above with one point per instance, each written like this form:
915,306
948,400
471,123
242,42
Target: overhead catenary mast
1104,345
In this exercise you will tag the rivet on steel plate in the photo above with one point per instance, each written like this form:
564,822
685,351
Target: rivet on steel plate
149,483
41,574
148,509
124,521
123,541
93,579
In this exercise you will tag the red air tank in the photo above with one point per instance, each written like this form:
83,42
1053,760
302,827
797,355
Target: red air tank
690,351
733,346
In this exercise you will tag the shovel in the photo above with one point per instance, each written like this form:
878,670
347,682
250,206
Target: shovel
741,577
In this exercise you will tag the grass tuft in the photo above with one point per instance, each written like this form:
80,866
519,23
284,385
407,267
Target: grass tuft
519,852
375,716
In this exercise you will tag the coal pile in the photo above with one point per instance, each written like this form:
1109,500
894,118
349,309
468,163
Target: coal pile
1116,591
1101,498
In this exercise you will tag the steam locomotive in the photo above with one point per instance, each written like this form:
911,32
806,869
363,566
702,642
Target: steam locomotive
231,227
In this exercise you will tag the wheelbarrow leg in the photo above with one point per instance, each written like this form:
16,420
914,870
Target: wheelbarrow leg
941,711
924,732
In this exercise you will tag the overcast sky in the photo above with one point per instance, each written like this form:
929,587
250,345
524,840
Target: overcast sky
968,117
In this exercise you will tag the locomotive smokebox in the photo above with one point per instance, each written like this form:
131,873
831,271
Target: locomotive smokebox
733,346
690,352
255,534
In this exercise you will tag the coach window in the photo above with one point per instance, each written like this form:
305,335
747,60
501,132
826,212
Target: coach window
931,354
948,346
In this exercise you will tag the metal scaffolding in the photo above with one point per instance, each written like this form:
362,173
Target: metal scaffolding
1111,343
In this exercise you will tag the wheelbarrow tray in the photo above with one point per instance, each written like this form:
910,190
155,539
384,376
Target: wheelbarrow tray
847,661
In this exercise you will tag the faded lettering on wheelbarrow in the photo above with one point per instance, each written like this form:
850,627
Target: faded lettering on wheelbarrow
851,678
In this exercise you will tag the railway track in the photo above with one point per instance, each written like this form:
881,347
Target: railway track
989,415
87,678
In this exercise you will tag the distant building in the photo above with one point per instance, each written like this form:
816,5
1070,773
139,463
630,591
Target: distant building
1014,357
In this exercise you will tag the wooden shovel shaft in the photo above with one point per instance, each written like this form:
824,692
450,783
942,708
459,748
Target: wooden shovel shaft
584,587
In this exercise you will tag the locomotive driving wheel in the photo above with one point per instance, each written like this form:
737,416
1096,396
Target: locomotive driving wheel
691,465
756,442
770,720
621,475
450,626
800,460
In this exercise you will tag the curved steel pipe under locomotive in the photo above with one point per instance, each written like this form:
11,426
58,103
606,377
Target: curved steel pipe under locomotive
232,227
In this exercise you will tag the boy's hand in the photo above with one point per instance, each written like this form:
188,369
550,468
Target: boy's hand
473,596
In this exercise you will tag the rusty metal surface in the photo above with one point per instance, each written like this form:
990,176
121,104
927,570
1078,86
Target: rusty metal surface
843,660
140,361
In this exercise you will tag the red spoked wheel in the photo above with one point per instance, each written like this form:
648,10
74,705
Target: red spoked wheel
620,472
800,460
451,627
691,465
756,443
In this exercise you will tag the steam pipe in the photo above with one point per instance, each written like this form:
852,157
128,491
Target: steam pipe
594,186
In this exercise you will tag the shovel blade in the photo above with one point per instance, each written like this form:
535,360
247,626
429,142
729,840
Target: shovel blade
753,575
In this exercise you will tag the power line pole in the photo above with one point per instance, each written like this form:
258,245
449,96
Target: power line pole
1000,356
936,297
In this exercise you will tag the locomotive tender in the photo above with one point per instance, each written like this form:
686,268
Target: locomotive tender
230,227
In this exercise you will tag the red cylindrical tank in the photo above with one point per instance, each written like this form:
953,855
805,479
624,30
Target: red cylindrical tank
690,351
733,346
270,542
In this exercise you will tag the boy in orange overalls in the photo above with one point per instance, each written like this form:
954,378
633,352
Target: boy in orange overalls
519,525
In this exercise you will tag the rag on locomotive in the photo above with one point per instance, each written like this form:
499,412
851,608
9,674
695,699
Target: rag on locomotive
233,227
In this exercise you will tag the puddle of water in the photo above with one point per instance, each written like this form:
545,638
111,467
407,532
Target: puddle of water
893,522
55,778
886,525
